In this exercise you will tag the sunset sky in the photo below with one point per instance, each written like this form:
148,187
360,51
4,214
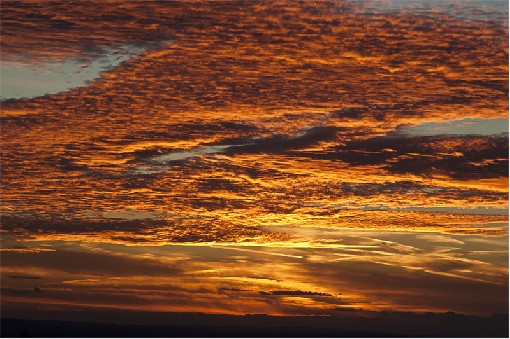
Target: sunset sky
237,157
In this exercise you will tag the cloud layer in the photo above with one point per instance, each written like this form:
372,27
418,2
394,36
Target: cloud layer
248,149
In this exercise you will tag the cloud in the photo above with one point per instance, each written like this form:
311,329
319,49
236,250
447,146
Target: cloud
15,291
296,293
89,262
56,33
281,143
233,289
401,286
438,238
308,144
160,230
449,265
461,157
18,276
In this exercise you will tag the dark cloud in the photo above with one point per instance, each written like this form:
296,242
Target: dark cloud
347,309
15,291
89,262
145,230
233,289
281,143
75,225
449,265
28,121
56,32
18,276
477,156
62,24
296,293
409,187
219,184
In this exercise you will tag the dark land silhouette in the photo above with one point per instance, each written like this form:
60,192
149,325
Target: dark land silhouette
146,324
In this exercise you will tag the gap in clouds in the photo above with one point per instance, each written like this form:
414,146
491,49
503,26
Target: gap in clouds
25,79
469,126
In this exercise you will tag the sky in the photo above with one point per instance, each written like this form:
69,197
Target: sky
240,157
